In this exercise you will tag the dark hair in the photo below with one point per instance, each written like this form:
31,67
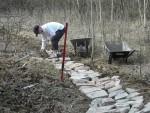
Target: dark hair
36,30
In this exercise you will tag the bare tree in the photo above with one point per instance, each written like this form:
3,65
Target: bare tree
112,10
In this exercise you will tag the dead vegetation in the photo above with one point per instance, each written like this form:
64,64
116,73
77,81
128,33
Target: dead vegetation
33,85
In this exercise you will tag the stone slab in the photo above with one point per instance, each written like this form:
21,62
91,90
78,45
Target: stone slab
97,94
114,93
130,90
121,95
86,90
118,87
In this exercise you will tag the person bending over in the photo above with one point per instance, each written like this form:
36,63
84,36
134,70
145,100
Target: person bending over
50,31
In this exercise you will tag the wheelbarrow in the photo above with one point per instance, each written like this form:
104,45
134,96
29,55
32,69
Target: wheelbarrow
118,50
81,46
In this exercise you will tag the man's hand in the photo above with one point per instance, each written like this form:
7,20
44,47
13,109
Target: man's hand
42,50
43,53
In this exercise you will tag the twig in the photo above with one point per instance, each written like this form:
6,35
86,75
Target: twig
22,58
30,86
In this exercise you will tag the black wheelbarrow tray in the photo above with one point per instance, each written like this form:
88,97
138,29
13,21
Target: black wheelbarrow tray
118,50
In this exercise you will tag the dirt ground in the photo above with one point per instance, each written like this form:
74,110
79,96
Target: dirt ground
33,86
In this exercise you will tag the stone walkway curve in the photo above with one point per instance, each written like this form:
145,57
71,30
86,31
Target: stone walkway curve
107,94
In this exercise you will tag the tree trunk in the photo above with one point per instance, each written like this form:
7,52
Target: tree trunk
112,10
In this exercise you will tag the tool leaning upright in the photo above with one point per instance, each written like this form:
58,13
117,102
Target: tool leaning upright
64,53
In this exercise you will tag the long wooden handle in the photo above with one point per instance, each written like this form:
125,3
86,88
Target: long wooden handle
64,53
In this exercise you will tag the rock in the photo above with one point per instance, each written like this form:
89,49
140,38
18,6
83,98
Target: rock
104,109
79,77
109,85
137,98
118,87
134,94
129,90
122,105
81,71
107,101
89,89
114,93
102,102
146,108
82,68
121,95
147,105
124,109
93,75
104,79
138,105
97,94
115,77
122,101
133,110
82,82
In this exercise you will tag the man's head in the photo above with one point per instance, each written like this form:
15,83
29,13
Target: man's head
37,30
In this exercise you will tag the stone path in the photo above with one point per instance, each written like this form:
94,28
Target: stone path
107,94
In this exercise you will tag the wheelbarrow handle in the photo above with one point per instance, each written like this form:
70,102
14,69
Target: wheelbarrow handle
130,53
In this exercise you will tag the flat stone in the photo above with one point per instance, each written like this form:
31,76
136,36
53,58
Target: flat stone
80,68
76,74
93,75
133,110
121,105
97,94
89,89
82,82
110,85
80,76
104,109
137,98
148,104
102,83
138,105
118,87
122,101
121,95
124,109
146,108
113,94
130,90
134,94
104,79
81,71
102,102
89,71
115,77
107,101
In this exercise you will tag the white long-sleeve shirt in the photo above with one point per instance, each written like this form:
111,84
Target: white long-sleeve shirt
49,30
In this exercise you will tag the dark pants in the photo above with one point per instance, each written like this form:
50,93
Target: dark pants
55,39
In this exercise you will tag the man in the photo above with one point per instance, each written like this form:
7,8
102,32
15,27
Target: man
51,31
